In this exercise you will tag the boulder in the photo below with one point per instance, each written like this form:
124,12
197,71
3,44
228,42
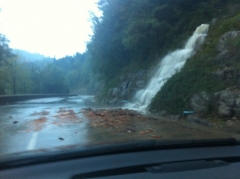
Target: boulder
124,85
113,102
201,102
228,73
222,58
224,39
198,120
237,106
226,103
224,110
125,93
115,92
227,97
139,83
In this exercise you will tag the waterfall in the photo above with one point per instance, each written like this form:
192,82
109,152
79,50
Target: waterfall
168,66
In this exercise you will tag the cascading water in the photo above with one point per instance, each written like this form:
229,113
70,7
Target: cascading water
169,65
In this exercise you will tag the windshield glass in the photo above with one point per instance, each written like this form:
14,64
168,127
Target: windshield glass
95,72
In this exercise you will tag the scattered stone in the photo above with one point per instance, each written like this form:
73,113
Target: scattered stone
43,113
224,110
229,122
175,117
156,136
114,118
146,131
198,120
37,124
130,129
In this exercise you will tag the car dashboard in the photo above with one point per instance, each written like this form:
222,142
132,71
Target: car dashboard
201,161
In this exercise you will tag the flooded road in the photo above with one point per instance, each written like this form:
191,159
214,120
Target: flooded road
49,123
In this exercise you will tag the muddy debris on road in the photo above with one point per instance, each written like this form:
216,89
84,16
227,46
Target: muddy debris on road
37,124
42,113
65,116
131,123
115,118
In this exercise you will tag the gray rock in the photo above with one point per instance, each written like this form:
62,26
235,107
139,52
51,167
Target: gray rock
221,57
139,83
175,117
201,102
227,74
206,96
115,92
110,91
124,85
128,84
113,101
226,103
125,93
237,107
163,113
224,110
227,97
196,119
224,39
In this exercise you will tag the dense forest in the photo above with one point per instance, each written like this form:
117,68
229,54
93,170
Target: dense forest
22,72
130,35
133,31
134,35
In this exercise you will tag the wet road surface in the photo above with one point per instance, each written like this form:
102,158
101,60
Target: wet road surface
42,123
59,123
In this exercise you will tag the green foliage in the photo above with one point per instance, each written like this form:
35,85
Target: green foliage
52,80
138,31
197,74
5,51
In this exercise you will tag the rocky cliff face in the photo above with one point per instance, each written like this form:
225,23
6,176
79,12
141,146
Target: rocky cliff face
225,103
127,86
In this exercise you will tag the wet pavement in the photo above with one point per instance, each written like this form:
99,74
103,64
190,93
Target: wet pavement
42,123
64,122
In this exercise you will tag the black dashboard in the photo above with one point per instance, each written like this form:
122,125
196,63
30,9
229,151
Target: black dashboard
220,162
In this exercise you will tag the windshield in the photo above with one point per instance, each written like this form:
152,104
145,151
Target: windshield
96,72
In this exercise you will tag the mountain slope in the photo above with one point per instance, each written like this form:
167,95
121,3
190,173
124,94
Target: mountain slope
215,67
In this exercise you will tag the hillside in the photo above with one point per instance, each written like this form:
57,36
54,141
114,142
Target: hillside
28,56
132,37
211,74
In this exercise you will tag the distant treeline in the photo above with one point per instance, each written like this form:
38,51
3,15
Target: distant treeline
21,75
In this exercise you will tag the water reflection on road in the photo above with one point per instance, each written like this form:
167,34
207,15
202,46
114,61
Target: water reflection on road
59,123
42,123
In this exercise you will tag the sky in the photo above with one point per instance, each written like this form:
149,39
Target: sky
54,28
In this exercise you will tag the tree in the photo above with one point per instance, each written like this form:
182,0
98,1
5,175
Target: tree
53,80
16,77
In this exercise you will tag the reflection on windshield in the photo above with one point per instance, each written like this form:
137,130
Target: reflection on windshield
161,70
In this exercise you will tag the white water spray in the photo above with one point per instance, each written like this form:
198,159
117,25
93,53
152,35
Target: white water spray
169,65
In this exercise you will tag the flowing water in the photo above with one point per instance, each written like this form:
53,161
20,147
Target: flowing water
168,66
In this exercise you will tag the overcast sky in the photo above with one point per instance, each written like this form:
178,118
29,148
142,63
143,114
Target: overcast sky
50,27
